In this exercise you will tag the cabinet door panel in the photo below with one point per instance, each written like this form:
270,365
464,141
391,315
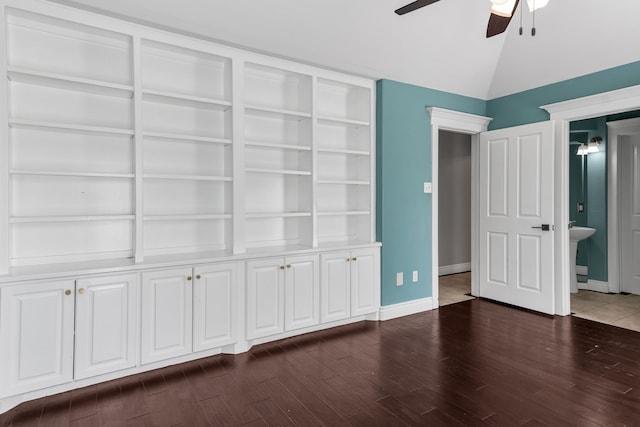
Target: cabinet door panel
365,281
265,286
36,336
105,325
214,303
166,314
301,292
335,303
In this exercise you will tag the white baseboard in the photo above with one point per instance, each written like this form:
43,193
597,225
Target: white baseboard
582,270
444,270
594,285
394,311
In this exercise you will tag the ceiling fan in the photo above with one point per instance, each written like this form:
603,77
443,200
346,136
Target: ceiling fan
501,12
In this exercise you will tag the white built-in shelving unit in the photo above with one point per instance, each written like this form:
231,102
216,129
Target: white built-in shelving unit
165,198
71,151
123,145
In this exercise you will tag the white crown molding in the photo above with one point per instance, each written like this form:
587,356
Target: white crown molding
457,121
615,101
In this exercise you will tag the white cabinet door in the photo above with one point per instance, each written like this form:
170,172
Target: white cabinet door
265,299
214,302
301,292
365,281
105,325
335,292
36,336
166,324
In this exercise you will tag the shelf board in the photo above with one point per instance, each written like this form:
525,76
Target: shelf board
66,82
185,100
271,145
70,127
344,121
182,137
344,213
278,112
341,182
186,217
71,173
258,215
69,218
278,171
341,151
187,177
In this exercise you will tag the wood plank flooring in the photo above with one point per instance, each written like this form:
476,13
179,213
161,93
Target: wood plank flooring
473,363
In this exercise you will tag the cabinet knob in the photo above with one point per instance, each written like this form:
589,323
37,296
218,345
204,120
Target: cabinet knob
189,277
67,292
348,259
354,259
282,267
81,291
198,276
288,265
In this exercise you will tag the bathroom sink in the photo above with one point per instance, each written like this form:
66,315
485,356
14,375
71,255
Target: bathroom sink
580,233
576,234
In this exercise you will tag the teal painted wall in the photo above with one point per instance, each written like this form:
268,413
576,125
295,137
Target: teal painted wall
403,210
524,107
404,163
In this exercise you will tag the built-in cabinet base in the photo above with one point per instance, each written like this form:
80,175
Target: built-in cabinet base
68,332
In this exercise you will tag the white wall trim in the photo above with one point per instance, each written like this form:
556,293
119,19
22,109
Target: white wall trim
455,121
614,131
582,270
611,102
454,268
594,285
394,311
615,101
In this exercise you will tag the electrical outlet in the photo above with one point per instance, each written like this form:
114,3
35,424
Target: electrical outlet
415,276
399,279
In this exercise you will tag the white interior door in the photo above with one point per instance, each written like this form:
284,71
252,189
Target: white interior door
629,168
515,206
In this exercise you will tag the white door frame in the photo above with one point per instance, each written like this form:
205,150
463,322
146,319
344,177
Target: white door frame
615,130
612,102
471,124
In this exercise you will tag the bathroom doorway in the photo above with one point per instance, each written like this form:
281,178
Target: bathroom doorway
454,213
616,299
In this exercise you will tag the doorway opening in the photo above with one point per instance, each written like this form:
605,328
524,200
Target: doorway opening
454,212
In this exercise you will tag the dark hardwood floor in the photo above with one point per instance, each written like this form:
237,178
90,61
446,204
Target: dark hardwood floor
472,363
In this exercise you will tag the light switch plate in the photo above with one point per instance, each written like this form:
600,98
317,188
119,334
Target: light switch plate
427,187
415,276
399,279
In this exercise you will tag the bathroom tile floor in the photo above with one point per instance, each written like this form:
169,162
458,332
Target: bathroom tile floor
454,288
613,309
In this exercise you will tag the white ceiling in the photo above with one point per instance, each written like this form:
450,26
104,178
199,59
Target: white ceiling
441,46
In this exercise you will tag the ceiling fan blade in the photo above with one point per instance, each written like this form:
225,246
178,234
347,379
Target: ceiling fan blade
498,24
413,6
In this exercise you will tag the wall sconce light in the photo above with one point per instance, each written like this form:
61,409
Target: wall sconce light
583,150
594,144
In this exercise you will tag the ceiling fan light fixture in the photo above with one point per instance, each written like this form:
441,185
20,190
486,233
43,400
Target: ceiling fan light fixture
536,4
582,150
503,7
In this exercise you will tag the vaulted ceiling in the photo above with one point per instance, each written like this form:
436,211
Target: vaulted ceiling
441,46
